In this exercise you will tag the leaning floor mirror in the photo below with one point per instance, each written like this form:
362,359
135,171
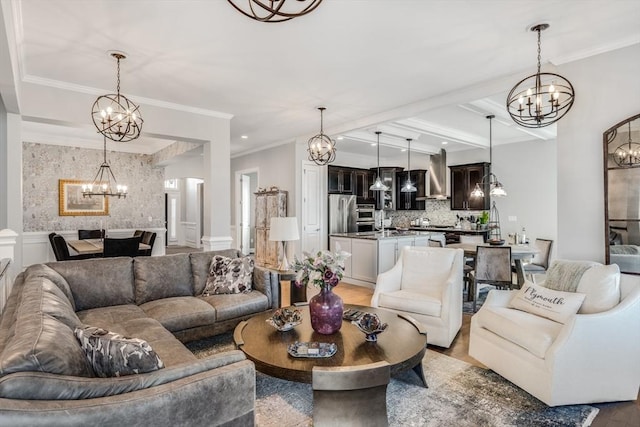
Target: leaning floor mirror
622,195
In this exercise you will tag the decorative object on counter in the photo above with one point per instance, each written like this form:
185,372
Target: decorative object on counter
496,188
274,10
322,149
284,319
495,235
542,98
627,155
102,184
312,349
483,219
408,186
371,325
323,270
116,116
378,185
284,229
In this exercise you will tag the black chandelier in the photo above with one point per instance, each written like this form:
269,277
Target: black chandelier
322,149
540,99
104,183
627,155
496,188
274,10
116,116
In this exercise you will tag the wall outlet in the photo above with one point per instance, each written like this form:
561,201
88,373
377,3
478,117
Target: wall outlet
513,218
150,218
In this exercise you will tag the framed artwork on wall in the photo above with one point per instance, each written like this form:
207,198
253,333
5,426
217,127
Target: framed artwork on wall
71,202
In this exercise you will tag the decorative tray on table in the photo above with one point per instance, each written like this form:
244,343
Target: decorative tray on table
312,349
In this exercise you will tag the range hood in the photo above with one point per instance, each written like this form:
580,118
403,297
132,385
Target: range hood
437,182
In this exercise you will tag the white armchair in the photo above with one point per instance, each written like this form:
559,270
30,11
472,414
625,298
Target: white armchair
590,358
426,284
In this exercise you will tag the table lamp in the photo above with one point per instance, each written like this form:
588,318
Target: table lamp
284,229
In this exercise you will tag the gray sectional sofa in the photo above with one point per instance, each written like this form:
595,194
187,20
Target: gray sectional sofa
45,378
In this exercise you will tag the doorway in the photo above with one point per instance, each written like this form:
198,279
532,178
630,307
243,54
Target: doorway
246,185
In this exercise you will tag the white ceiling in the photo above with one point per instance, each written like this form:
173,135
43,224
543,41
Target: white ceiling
426,69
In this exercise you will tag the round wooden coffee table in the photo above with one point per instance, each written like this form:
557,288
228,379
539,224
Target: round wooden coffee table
402,345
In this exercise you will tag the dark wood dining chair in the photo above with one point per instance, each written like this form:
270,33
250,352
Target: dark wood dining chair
492,267
138,233
353,396
128,246
90,234
61,250
148,238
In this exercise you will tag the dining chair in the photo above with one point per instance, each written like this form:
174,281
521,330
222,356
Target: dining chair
471,239
61,250
138,233
90,234
492,267
148,238
435,243
353,395
540,262
128,246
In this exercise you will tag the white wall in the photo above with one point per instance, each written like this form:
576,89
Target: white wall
187,168
607,91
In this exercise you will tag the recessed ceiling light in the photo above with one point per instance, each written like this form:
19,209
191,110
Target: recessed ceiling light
403,150
445,142
244,137
340,138
373,144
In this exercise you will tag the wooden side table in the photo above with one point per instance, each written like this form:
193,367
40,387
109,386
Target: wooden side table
296,293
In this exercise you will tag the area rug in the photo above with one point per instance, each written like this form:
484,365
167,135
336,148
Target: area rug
467,306
459,395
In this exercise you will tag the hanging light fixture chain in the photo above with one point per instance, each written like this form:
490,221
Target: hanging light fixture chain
118,73
539,49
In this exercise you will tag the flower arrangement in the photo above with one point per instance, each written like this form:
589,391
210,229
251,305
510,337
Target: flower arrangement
324,269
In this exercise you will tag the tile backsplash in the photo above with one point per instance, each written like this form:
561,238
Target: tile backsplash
43,165
437,211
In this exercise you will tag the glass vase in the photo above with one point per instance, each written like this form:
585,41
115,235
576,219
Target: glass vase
325,310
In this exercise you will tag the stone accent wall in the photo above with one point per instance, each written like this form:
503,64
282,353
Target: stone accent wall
43,165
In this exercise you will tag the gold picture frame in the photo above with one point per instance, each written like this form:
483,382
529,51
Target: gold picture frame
71,202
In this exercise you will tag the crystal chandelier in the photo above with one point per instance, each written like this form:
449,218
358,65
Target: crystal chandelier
540,99
322,149
104,183
497,190
378,185
408,186
627,155
274,10
116,116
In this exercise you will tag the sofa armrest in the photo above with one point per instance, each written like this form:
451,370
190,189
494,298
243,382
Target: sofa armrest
221,396
388,281
44,386
267,282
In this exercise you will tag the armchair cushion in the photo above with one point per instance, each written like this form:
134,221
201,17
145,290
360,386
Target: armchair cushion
554,305
510,324
424,269
601,285
413,302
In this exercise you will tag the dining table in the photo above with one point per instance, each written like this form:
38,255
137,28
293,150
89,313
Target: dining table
94,246
519,253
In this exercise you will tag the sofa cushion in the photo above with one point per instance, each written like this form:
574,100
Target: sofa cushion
98,282
555,305
229,275
180,313
162,277
426,303
112,355
41,337
108,317
601,285
533,333
200,263
231,306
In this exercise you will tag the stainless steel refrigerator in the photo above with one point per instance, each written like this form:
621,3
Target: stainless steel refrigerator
342,213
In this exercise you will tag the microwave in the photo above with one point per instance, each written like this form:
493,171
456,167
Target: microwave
365,213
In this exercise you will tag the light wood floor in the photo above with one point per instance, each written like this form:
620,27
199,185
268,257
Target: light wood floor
623,414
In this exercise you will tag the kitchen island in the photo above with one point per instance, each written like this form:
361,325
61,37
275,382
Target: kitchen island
373,253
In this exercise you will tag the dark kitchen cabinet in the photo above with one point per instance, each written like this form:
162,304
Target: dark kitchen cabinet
340,180
364,178
407,201
387,199
463,181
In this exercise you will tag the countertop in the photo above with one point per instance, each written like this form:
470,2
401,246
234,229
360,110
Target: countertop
447,230
378,235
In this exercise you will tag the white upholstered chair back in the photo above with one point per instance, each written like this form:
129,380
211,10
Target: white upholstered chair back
426,267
